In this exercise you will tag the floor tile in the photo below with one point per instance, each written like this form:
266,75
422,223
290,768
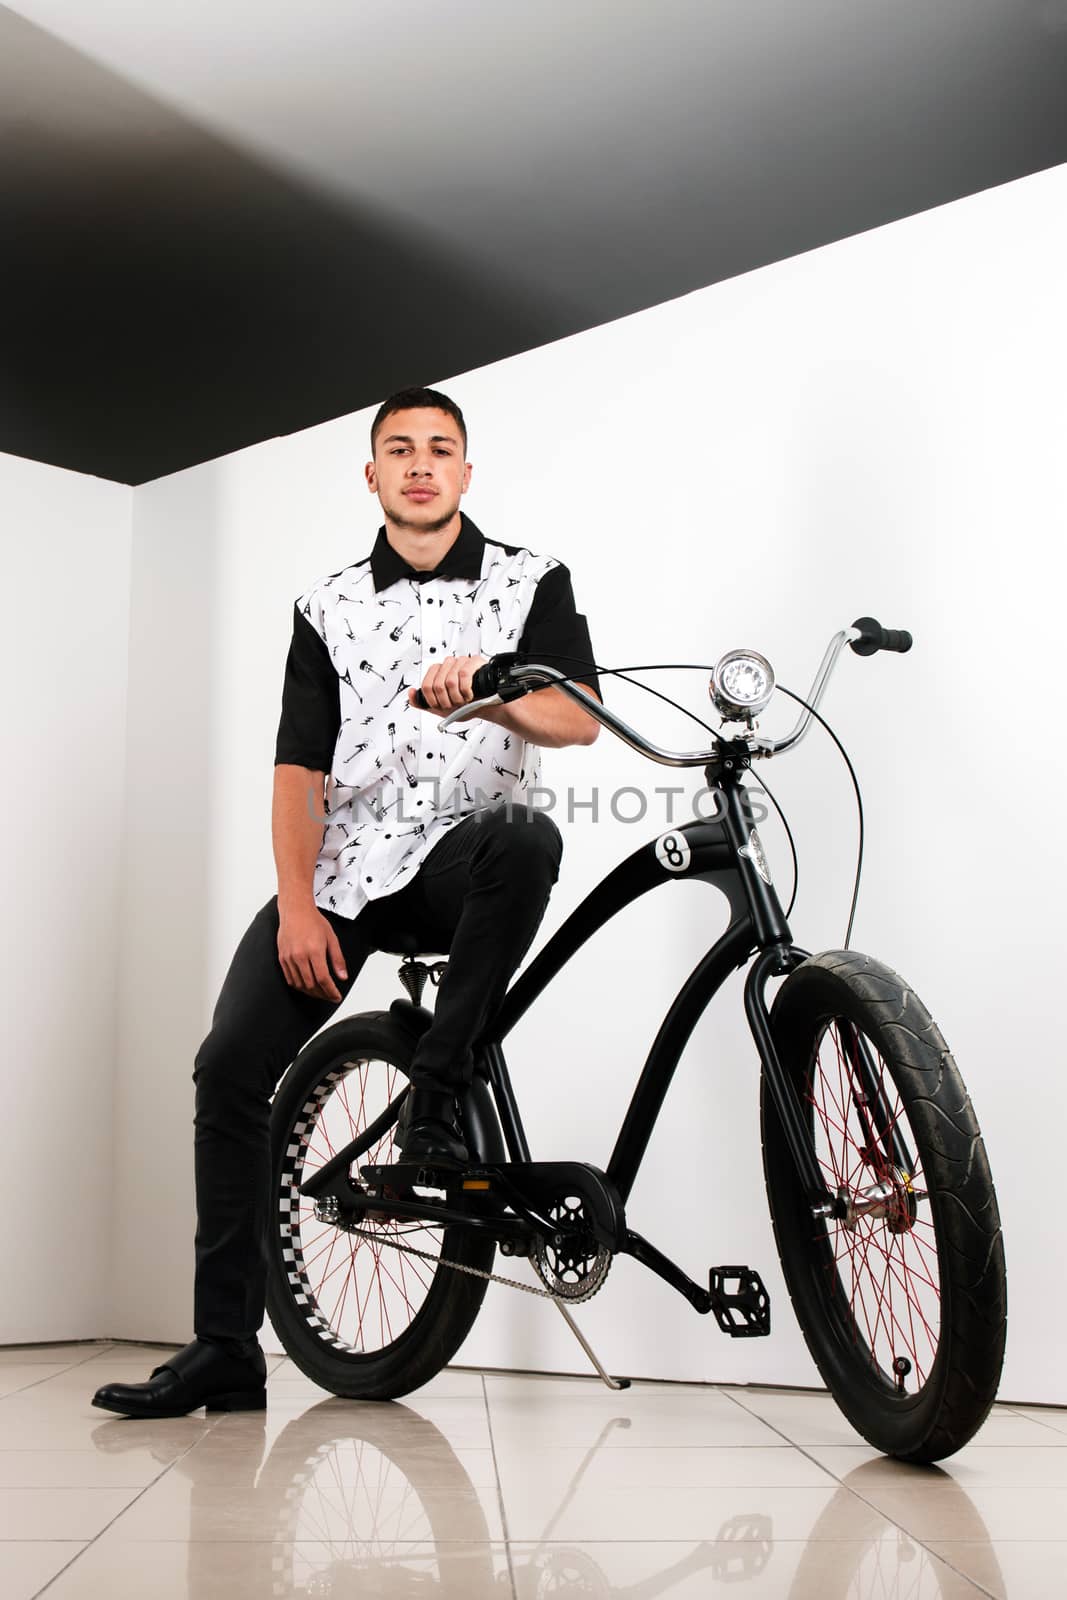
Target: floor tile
78,1469
334,1468
50,1354
51,1419
1006,1426
804,1419
735,1560
348,1457
60,1513
250,1570
26,1375
464,1423
944,1511
763,1487
667,1467
813,1420
1028,1569
1048,1416
27,1564
975,1466
636,1417
560,1508
312,1504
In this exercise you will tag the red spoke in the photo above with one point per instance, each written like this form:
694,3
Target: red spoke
890,1281
340,1305
377,1284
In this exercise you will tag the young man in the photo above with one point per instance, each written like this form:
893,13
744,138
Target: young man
426,837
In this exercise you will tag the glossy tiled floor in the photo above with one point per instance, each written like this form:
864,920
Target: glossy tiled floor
509,1487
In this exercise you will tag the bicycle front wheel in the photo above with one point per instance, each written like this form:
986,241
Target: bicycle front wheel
901,1295
376,1313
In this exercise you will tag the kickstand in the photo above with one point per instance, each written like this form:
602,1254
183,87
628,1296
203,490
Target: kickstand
612,1383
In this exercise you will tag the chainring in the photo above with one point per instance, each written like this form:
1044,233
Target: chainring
570,1262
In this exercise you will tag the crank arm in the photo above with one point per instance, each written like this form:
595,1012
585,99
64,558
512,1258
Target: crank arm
355,1208
634,1245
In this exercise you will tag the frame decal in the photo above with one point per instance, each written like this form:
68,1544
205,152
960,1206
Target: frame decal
672,851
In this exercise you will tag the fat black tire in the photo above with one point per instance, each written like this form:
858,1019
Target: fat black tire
954,1239
346,1076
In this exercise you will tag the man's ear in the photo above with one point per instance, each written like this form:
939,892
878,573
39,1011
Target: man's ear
371,477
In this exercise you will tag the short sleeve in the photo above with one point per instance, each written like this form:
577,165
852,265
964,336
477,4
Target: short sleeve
311,704
556,631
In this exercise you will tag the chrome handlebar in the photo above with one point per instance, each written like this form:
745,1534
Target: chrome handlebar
759,747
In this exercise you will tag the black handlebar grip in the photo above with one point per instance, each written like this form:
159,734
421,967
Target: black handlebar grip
488,679
875,637
484,683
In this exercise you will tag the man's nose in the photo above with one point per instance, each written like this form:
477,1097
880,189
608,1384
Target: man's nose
419,465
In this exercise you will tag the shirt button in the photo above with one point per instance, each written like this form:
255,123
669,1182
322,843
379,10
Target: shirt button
370,880
433,649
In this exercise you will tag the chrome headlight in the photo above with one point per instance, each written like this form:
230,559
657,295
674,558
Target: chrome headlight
741,684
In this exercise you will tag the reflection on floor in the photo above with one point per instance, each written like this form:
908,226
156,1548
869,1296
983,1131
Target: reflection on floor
514,1487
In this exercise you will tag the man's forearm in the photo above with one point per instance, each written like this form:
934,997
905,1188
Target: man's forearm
296,830
546,717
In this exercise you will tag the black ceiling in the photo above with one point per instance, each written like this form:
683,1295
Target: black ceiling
168,297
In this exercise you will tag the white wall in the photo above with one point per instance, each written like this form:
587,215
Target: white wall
64,556
166,892
874,427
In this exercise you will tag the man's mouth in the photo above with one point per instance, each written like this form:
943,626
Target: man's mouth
420,494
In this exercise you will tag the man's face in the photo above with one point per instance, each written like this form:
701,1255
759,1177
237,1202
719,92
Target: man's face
418,471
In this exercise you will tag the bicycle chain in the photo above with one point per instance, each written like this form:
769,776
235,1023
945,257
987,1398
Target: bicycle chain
458,1266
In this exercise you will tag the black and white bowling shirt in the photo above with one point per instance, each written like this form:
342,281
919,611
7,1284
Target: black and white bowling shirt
396,781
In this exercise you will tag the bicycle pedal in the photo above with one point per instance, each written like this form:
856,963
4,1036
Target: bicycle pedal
743,1312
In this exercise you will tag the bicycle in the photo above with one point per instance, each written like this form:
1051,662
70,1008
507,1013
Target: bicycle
882,1204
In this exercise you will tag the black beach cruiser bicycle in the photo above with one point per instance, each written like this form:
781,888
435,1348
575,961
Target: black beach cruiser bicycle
883,1208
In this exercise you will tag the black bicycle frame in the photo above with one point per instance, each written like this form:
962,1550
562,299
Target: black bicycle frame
724,851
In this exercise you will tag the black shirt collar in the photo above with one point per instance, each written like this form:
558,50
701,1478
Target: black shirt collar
462,560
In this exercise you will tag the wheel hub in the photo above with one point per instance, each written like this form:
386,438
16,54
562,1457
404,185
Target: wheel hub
891,1200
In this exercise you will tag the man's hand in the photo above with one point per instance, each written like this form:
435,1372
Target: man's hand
305,941
448,683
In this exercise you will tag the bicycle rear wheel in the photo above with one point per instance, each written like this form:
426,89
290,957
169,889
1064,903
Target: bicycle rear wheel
357,1314
902,1296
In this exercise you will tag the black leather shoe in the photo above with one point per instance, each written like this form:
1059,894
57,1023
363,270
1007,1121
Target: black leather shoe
203,1374
427,1130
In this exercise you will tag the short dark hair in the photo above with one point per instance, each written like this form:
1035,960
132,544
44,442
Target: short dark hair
417,400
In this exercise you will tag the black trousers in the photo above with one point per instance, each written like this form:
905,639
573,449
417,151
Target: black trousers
480,895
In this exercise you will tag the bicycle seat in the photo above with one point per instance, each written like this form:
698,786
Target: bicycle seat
409,946
418,965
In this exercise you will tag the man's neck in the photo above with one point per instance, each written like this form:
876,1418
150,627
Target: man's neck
423,551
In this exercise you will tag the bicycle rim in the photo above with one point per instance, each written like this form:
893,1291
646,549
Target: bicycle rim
881,1272
357,1292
